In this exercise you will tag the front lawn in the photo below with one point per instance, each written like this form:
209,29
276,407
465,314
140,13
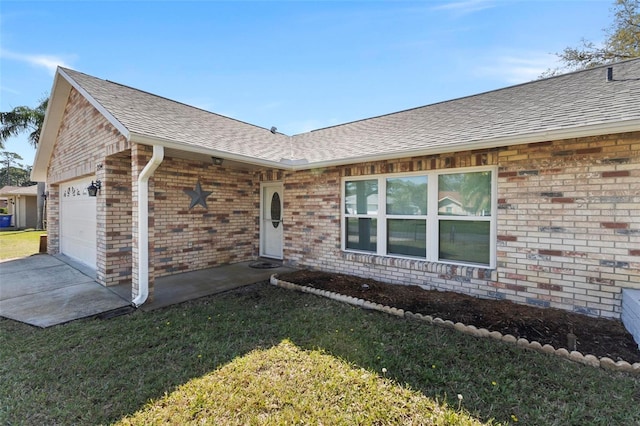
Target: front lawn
14,244
265,355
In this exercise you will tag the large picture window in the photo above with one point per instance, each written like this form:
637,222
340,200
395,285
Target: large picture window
437,216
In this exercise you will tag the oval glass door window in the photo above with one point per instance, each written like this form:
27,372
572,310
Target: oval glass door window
276,210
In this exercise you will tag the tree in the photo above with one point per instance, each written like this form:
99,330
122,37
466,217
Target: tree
622,42
7,159
23,119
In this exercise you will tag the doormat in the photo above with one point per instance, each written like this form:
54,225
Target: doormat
263,264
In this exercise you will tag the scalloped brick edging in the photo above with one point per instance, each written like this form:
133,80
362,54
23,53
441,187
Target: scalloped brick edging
590,360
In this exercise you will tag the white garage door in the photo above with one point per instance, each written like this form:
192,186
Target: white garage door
78,222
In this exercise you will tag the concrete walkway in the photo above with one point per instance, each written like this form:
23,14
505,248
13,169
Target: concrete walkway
43,290
194,285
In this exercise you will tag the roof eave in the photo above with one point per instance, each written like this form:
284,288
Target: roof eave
547,135
60,91
52,118
150,141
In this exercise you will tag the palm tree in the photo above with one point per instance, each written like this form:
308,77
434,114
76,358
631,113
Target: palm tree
23,119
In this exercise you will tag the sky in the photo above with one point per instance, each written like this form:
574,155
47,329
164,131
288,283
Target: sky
295,65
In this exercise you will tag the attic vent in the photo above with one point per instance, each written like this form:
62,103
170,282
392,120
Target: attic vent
273,130
610,74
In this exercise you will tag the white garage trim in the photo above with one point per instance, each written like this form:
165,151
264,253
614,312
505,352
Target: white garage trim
78,222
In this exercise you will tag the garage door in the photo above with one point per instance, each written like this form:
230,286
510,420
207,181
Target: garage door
78,222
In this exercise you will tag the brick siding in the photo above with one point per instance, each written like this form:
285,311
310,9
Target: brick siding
568,215
568,224
83,140
197,238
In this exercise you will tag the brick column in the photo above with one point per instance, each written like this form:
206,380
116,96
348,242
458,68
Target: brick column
101,225
118,212
53,219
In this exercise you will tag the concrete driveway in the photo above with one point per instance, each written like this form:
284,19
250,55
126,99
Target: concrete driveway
43,290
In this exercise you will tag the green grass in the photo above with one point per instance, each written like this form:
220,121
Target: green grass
265,355
15,244
286,385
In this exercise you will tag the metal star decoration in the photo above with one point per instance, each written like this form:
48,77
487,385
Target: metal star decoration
198,196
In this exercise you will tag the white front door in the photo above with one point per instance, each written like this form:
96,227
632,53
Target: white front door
271,232
78,222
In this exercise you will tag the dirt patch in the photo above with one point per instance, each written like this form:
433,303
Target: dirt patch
597,336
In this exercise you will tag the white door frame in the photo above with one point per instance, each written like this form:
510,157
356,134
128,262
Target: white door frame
268,246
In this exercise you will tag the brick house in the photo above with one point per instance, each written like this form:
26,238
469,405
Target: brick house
530,193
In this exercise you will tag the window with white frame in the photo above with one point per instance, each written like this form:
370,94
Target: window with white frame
439,216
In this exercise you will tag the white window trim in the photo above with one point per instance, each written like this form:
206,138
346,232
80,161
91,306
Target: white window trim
432,217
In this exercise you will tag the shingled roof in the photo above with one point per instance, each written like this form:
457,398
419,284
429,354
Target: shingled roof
19,190
583,103
155,117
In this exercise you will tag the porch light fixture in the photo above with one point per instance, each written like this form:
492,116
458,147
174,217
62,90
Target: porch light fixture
217,161
94,187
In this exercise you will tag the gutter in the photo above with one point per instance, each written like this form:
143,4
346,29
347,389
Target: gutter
143,224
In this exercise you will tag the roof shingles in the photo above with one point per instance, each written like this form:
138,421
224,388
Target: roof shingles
565,102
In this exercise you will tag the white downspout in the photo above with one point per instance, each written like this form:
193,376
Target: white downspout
143,224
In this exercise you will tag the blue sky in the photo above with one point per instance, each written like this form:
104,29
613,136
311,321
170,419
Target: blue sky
294,65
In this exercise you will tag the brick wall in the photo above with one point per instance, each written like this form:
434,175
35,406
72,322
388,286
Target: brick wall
115,219
568,224
197,238
83,140
568,215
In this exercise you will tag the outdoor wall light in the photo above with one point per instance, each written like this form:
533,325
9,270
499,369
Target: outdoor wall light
217,161
94,187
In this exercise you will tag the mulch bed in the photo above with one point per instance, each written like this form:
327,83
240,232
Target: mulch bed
596,336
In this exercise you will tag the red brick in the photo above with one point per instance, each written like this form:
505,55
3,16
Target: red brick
551,287
515,287
614,225
589,150
550,252
616,173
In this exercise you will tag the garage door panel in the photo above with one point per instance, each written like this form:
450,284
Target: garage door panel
78,222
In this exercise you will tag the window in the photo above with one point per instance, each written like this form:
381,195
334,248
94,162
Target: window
466,196
436,216
361,210
406,204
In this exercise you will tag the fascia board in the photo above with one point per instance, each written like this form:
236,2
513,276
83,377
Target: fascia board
60,91
560,134
150,141
97,105
298,165
52,118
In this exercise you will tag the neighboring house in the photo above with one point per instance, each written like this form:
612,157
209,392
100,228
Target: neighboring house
448,204
22,205
546,173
